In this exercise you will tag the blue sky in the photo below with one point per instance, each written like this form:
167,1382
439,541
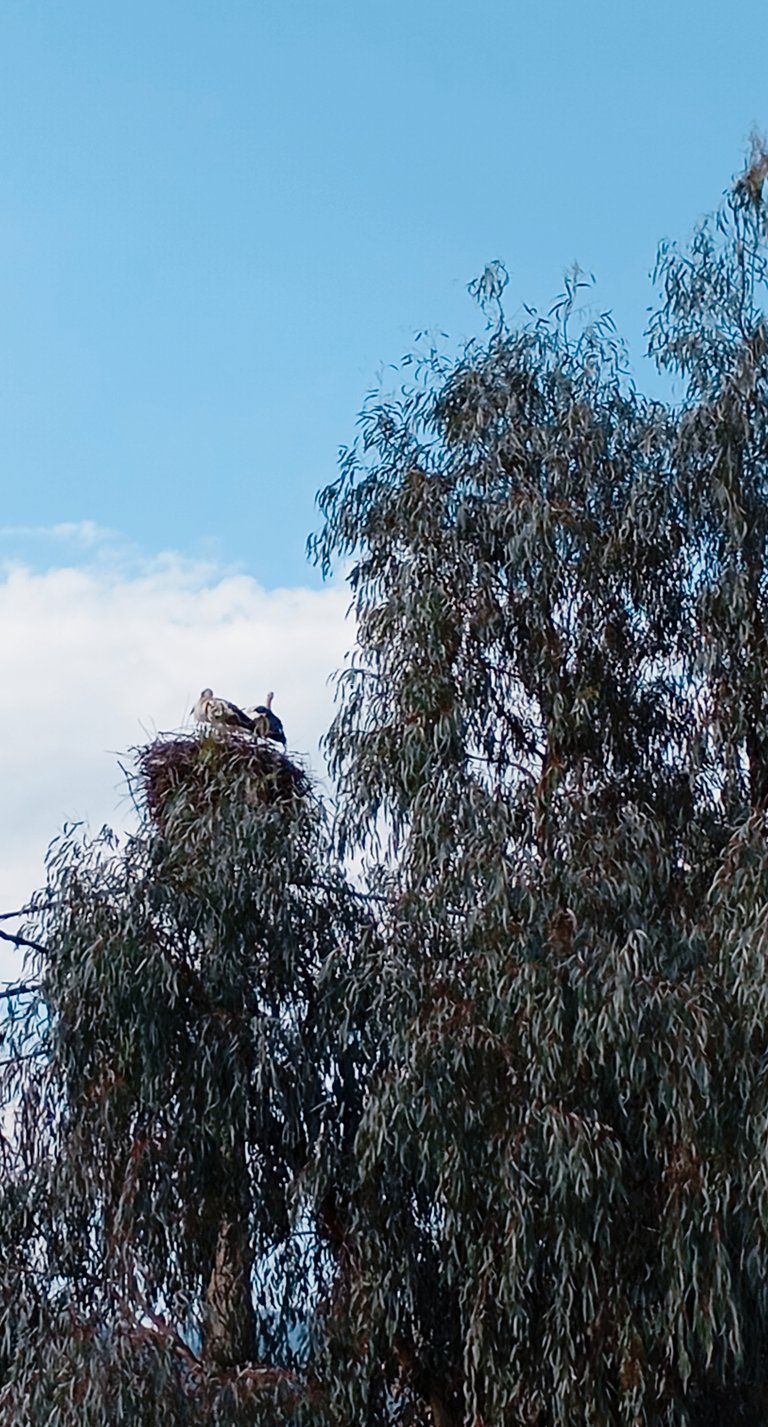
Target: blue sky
219,221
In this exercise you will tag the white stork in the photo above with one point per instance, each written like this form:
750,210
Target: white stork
220,713
266,723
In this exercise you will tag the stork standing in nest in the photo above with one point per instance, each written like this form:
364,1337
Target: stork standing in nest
266,723
220,713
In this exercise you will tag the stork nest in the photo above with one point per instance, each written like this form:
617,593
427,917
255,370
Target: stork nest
199,771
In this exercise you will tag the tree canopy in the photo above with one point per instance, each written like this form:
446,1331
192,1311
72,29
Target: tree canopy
480,1137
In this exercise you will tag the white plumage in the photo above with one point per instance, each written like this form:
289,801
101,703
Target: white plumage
220,713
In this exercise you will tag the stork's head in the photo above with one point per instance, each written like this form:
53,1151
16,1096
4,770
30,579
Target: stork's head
206,694
270,697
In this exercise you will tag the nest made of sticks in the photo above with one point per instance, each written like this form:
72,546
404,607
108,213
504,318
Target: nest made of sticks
201,770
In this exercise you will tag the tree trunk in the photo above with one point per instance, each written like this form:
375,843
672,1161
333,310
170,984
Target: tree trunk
443,1404
442,1414
230,1321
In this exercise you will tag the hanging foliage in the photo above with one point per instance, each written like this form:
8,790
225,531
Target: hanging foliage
485,1143
556,721
169,1086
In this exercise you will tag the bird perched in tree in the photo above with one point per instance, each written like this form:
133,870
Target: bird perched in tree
220,713
265,722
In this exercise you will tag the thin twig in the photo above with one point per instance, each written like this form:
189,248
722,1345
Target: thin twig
18,988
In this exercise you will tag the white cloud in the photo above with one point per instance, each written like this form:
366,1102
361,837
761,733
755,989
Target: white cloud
98,658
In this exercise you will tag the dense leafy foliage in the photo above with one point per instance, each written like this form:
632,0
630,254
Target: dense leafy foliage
486,1144
187,1065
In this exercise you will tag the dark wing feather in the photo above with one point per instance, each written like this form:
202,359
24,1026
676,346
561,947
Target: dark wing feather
240,717
274,726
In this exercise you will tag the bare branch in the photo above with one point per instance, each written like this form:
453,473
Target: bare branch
21,941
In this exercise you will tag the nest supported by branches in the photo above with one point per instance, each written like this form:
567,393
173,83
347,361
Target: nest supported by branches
199,771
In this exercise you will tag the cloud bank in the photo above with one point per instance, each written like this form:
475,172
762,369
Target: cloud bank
99,657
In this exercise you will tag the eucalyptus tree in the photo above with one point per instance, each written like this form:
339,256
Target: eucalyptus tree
177,1065
486,1144
556,721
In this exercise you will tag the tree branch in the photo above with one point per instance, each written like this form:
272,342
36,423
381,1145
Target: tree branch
18,988
21,941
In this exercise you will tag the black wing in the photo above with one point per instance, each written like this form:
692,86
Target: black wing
239,717
274,727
